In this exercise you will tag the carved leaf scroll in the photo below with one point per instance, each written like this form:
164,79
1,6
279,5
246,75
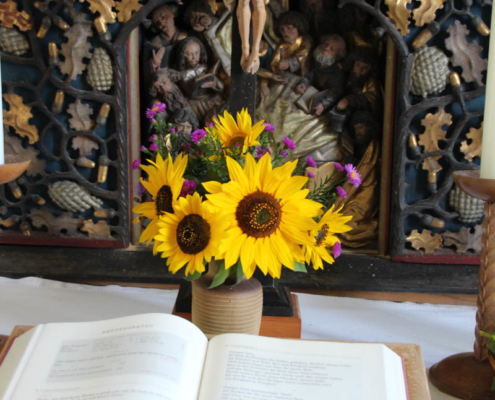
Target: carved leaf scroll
126,8
464,240
81,116
10,16
101,230
472,149
13,148
18,117
84,145
64,223
76,49
104,7
465,55
399,14
426,12
433,133
425,241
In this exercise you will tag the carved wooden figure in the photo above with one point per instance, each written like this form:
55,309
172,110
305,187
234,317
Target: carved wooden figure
250,60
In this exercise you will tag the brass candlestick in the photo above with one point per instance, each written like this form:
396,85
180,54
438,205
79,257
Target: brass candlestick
469,375
12,169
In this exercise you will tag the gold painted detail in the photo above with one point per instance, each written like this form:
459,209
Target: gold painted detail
100,230
399,14
433,133
125,9
426,12
10,16
104,7
425,241
472,149
18,117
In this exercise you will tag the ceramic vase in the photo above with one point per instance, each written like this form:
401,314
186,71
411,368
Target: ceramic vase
228,308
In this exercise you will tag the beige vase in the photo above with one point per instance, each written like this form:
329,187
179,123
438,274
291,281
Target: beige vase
227,308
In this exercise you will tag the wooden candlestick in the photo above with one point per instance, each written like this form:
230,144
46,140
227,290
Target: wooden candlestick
469,375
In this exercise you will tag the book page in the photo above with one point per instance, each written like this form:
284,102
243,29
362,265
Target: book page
242,367
145,357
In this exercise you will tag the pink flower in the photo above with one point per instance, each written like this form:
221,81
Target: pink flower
197,135
289,143
311,175
261,152
210,125
172,130
237,144
153,138
336,249
188,187
268,127
311,162
338,166
283,153
187,147
341,192
142,148
154,147
157,108
352,174
135,164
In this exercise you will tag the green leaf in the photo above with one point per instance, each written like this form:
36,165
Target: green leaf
491,347
240,272
193,277
299,267
221,275
493,384
488,335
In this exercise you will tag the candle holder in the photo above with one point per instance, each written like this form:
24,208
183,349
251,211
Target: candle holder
469,375
13,168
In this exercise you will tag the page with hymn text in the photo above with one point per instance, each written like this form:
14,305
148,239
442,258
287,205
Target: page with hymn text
145,357
243,367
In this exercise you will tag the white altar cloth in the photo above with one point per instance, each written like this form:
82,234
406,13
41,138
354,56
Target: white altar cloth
440,330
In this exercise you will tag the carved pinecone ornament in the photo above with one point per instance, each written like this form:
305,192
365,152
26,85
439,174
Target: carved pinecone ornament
72,197
430,71
13,42
470,209
100,70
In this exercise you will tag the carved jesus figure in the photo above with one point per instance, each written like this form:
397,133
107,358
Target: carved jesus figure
250,60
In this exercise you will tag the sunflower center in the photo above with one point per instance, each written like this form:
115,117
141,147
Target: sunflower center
236,141
322,235
193,234
258,214
163,201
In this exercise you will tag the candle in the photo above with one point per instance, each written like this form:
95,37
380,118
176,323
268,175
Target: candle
488,142
2,159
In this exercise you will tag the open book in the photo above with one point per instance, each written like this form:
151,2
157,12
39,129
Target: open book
310,99
164,357
201,80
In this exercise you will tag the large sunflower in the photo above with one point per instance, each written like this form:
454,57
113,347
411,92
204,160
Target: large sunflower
190,235
241,134
324,237
164,185
269,214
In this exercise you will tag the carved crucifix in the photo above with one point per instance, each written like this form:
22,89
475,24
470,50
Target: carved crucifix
250,60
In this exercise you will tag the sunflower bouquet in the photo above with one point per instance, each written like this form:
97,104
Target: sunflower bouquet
229,193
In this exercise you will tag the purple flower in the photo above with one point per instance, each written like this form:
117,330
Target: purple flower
153,138
268,127
188,187
187,147
338,166
157,108
172,130
311,162
353,175
311,175
154,147
237,144
261,152
283,153
140,189
142,148
210,125
337,248
135,164
341,192
197,135
289,143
